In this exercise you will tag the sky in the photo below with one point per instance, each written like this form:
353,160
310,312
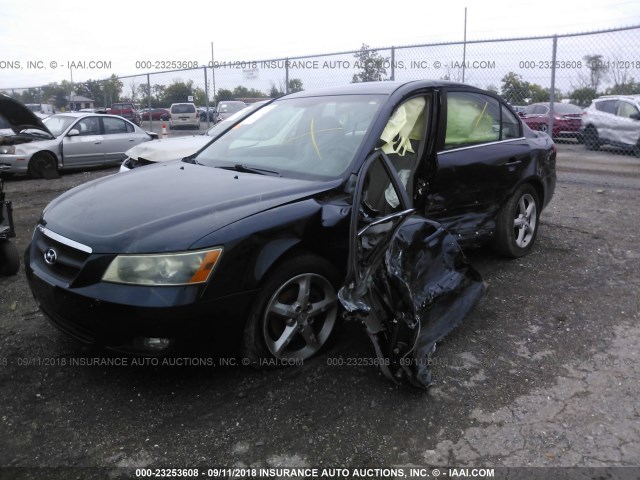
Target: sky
118,34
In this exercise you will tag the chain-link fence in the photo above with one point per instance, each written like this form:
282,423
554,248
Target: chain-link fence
552,80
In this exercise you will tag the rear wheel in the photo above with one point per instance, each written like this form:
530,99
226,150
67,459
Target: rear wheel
9,260
295,312
517,225
591,139
543,127
43,165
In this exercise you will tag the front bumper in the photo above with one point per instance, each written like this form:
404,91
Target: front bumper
14,163
119,316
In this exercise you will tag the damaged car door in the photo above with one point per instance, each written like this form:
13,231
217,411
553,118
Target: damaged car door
408,281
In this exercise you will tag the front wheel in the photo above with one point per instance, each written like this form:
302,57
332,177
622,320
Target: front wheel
517,225
591,139
43,165
295,312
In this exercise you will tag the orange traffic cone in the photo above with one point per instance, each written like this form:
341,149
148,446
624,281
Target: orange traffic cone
164,131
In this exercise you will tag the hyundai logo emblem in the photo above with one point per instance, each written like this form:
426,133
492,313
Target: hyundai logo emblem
51,256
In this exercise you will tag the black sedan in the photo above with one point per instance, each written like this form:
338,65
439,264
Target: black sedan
254,232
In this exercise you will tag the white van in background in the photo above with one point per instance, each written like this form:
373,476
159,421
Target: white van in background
184,115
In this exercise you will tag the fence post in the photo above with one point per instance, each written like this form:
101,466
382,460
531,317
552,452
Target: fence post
286,76
393,63
149,103
464,46
552,93
206,95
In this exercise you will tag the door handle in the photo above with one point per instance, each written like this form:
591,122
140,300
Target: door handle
514,161
131,140
97,143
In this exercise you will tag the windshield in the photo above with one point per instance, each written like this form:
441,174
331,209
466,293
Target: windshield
299,137
222,125
58,123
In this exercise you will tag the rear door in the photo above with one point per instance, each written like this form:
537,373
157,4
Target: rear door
481,155
119,136
87,147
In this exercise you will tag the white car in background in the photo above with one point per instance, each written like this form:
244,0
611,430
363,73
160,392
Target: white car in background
612,120
167,149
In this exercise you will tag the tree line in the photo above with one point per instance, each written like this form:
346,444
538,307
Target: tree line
106,92
372,67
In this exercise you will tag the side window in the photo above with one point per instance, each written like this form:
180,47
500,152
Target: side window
130,128
472,119
607,106
510,125
626,110
114,125
88,126
401,140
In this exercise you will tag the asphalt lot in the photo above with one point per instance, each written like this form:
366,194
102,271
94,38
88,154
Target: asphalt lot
544,372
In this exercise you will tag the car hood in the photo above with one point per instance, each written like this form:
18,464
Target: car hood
19,116
167,207
167,149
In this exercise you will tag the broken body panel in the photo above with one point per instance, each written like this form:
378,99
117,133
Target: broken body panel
408,282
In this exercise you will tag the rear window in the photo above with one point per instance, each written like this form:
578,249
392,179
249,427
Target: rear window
567,108
122,106
183,108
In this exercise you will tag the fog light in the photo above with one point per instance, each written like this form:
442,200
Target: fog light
156,344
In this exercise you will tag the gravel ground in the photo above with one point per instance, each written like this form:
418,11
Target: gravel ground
544,372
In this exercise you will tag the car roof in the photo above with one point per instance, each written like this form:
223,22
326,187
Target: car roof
373,88
86,114
635,97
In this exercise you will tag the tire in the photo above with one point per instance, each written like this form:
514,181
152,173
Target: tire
43,165
9,260
270,334
543,127
517,223
591,139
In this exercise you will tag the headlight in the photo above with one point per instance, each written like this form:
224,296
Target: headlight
7,150
163,269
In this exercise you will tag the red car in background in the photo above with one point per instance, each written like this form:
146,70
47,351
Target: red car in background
566,119
156,114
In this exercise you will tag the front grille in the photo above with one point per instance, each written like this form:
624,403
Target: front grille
69,259
83,330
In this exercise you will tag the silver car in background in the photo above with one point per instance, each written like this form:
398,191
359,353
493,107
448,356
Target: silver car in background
42,148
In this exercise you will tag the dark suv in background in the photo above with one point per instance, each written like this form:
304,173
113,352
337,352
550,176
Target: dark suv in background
126,110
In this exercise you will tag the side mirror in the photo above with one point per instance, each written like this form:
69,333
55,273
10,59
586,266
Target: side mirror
635,116
73,133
